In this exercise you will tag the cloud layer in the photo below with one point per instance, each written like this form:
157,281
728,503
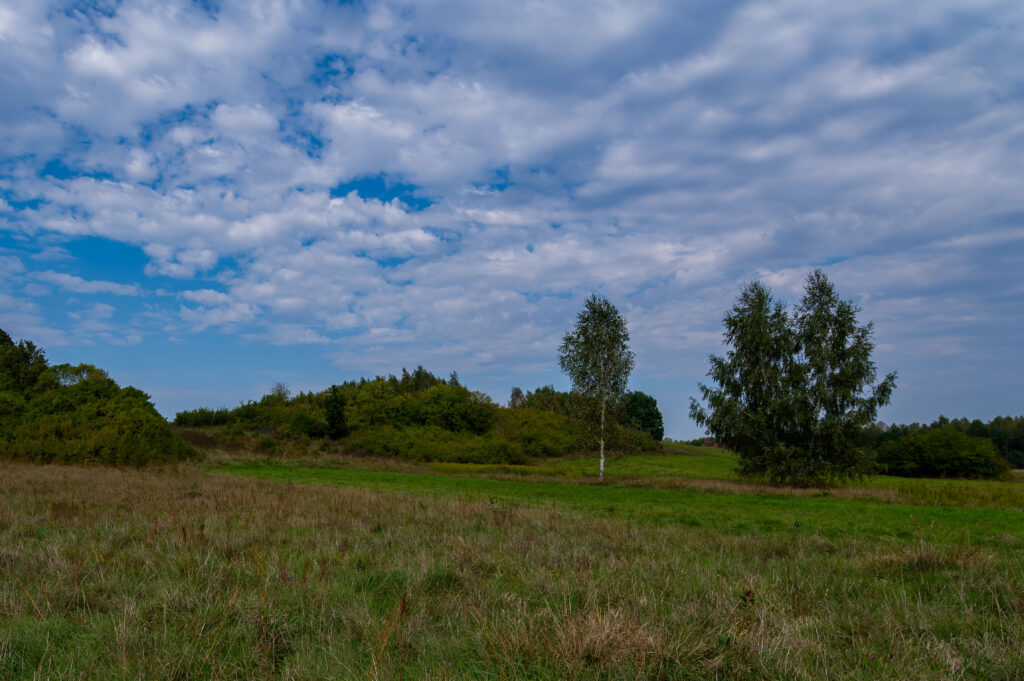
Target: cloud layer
381,183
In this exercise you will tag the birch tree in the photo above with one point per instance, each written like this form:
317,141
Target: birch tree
794,391
597,359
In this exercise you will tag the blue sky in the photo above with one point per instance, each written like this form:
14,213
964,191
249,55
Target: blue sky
207,197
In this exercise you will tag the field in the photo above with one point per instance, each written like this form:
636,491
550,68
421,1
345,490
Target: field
331,568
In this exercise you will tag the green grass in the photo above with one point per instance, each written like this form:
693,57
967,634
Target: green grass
369,569
750,509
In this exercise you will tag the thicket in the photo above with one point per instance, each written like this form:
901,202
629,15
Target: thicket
417,416
76,414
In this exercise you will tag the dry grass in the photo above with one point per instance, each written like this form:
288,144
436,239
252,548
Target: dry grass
178,574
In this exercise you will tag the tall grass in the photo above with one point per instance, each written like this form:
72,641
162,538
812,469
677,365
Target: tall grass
113,574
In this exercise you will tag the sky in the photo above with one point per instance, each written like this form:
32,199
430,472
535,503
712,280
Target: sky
206,197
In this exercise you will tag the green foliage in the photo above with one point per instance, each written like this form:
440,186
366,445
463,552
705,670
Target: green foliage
596,357
77,414
945,452
750,409
334,413
546,398
516,399
357,412
453,408
640,411
203,417
21,364
450,407
595,354
538,433
794,392
417,416
432,443
302,423
377,403
1005,432
835,370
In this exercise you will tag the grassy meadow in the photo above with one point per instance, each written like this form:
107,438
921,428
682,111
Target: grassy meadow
245,567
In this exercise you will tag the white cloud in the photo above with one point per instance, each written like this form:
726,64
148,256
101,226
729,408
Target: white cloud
79,285
657,153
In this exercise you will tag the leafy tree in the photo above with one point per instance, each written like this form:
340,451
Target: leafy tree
751,410
21,364
597,359
279,392
794,391
835,374
516,400
641,412
546,398
334,408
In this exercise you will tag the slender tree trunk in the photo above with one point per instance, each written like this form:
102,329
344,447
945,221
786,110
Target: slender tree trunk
600,476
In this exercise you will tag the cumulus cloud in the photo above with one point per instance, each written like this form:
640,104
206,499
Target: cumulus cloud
523,156
79,285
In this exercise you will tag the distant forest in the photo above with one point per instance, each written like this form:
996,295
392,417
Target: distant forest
949,448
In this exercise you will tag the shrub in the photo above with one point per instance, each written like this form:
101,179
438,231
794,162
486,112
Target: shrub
453,408
431,443
203,417
640,411
92,421
538,433
304,424
76,414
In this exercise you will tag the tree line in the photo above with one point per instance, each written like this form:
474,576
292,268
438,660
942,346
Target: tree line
949,448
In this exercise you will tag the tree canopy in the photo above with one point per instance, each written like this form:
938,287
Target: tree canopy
640,411
76,414
595,355
794,391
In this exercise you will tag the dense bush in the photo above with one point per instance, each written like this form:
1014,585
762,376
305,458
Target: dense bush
450,407
203,417
334,413
76,414
538,433
945,452
431,443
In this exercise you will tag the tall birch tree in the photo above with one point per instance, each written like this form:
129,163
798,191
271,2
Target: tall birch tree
794,392
596,357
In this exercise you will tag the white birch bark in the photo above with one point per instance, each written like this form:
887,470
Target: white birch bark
600,477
